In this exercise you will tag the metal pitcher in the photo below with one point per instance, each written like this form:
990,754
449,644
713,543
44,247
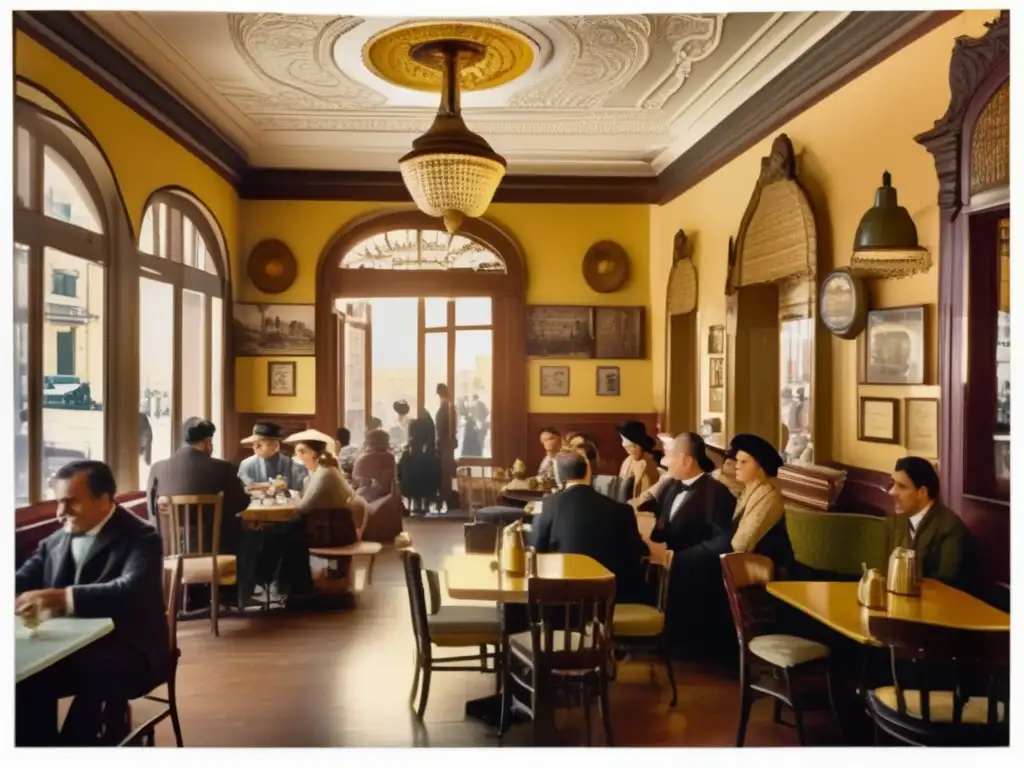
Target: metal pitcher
903,577
871,590
512,557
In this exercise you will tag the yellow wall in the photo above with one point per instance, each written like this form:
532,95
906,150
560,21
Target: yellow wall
553,238
843,145
143,157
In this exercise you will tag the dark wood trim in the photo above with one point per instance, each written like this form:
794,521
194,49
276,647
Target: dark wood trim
821,71
866,491
827,66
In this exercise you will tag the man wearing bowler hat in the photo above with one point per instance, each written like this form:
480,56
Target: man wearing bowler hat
267,461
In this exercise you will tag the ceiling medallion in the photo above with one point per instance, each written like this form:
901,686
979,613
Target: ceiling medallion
452,172
507,54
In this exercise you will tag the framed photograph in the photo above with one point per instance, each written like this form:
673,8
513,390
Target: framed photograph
608,381
560,331
619,333
879,420
894,346
274,330
716,340
554,381
281,379
716,372
922,430
716,399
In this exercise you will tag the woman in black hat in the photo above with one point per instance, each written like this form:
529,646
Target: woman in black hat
639,470
760,507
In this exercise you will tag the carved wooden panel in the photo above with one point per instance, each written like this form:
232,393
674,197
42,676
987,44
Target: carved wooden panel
682,280
990,144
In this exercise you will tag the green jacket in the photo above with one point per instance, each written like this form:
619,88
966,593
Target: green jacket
939,544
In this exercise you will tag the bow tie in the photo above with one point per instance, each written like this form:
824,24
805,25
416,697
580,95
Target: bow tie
684,487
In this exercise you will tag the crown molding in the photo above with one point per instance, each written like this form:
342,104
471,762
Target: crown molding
862,40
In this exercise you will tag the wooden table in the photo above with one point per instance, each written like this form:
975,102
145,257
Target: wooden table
477,577
257,512
834,604
57,639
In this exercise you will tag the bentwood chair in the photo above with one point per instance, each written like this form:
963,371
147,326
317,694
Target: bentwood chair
144,734
448,626
772,664
950,687
183,528
565,654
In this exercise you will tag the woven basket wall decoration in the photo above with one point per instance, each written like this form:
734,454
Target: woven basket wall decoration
682,279
272,267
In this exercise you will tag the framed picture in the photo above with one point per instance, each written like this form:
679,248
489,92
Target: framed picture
554,381
879,420
716,372
716,399
619,333
281,379
894,346
716,340
560,332
274,330
922,430
608,381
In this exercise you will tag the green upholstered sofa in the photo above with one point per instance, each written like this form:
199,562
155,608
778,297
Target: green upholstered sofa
833,545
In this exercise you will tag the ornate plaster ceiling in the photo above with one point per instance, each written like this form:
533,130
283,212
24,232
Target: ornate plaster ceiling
604,95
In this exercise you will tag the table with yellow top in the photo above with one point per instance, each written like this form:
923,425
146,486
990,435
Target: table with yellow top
834,604
479,577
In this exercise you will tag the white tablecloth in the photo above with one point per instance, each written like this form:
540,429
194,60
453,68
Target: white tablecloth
57,639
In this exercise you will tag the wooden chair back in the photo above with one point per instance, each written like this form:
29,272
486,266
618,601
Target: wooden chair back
570,623
660,567
928,658
412,564
187,537
327,528
753,610
481,538
173,568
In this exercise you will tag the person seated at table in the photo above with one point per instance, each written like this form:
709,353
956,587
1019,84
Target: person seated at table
922,523
193,471
639,465
347,453
551,441
104,562
267,461
759,522
579,520
325,487
374,477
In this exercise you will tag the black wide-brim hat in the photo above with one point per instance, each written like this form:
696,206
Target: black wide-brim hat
761,450
636,433
264,430
401,407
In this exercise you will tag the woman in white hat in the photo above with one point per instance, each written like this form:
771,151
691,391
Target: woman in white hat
326,487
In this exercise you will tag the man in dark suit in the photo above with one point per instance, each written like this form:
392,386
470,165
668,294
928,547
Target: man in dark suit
447,421
934,531
192,470
104,563
579,520
695,522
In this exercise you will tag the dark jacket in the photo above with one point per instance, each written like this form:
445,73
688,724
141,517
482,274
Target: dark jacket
939,543
121,579
192,472
581,521
704,520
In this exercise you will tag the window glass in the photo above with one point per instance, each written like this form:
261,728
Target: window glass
409,249
796,368
217,373
21,341
435,313
193,355
473,311
65,197
147,243
162,231
156,373
435,368
395,356
1003,370
23,182
73,367
472,392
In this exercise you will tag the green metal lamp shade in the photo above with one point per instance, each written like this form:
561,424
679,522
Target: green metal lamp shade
886,241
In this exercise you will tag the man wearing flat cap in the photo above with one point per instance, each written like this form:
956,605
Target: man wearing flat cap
267,461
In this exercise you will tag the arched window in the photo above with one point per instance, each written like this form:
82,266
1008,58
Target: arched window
62,259
422,249
181,322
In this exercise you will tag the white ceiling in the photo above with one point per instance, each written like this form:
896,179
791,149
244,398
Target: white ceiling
606,95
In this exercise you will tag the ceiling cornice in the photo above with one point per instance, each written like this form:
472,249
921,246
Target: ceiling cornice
859,42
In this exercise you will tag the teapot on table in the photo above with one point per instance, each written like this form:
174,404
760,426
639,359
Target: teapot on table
903,577
871,589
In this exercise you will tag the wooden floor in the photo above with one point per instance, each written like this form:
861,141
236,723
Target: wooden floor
342,679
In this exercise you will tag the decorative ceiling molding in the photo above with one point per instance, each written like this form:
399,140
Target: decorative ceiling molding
693,39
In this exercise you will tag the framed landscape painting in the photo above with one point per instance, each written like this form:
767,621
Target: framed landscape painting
274,330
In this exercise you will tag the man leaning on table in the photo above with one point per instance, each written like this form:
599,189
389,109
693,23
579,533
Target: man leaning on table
104,562
934,531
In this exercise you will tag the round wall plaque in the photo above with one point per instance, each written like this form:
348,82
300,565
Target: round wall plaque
272,266
843,304
606,266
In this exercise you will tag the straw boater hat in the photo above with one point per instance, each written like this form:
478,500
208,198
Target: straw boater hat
264,430
313,436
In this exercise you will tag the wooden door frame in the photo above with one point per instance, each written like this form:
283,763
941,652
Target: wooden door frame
507,292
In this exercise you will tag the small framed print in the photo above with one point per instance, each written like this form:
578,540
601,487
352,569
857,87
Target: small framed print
879,420
281,379
716,340
554,381
716,399
608,381
922,431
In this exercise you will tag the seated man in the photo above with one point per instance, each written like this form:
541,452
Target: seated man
579,520
267,461
551,441
103,563
934,531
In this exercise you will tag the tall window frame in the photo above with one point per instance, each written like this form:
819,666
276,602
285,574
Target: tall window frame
42,137
180,245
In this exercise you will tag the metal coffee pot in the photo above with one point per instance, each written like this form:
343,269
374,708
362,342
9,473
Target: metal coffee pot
903,577
871,590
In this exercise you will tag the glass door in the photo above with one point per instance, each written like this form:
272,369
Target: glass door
355,342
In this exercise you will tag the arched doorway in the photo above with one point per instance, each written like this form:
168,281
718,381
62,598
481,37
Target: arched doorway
405,254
